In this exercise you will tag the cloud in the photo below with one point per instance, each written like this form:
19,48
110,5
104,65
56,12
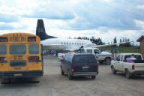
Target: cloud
93,14
140,24
64,18
6,27
8,18
53,10
81,14
106,37
140,7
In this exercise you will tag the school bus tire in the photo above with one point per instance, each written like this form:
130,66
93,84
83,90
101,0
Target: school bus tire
35,79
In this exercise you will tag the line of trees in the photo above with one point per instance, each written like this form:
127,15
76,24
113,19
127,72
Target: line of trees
97,41
124,39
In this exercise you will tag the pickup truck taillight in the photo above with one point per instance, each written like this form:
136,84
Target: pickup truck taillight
133,67
97,67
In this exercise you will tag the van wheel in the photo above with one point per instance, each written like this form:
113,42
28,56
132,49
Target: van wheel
69,76
107,61
93,77
128,75
5,81
113,70
62,72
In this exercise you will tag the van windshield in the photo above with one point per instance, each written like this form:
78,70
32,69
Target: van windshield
84,59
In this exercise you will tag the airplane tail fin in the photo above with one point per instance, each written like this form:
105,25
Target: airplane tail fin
40,30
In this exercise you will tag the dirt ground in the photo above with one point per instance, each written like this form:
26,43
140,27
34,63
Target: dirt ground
54,84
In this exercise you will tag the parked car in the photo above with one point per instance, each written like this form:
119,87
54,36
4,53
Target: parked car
79,65
129,63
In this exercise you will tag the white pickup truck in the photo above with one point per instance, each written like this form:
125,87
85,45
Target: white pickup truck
129,63
102,57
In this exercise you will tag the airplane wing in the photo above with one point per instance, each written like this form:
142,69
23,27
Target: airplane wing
117,44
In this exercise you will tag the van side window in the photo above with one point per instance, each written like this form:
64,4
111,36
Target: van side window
89,50
82,50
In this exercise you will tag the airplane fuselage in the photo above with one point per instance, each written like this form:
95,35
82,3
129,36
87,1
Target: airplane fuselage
65,44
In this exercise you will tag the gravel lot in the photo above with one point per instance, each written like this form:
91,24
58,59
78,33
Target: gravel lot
54,84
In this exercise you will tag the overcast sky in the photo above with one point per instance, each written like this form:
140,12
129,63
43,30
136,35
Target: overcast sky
63,18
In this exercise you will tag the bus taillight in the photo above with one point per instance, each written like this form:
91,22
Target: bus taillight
3,59
33,59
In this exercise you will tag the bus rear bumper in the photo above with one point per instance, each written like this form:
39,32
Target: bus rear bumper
23,74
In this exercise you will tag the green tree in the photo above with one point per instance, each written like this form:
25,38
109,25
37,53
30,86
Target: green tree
115,40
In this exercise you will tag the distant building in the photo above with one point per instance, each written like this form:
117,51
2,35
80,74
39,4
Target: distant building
141,40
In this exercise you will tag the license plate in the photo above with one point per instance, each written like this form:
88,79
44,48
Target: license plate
85,66
17,74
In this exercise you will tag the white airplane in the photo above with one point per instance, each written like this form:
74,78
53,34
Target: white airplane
58,44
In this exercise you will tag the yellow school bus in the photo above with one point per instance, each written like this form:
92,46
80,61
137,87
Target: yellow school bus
20,56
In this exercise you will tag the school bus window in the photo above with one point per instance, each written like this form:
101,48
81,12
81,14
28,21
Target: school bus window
2,49
31,39
33,48
3,39
17,49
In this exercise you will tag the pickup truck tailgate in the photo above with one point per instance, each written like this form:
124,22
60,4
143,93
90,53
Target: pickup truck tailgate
139,66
